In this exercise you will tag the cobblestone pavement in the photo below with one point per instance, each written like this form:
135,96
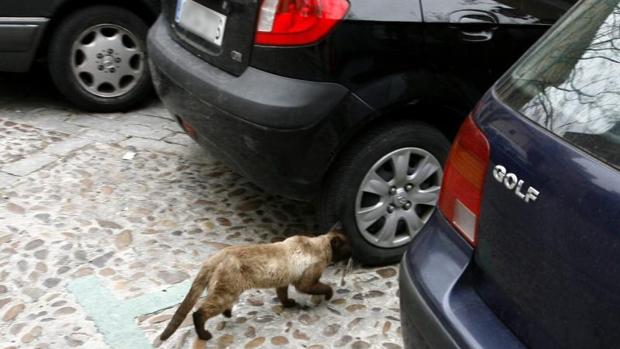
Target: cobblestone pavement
104,220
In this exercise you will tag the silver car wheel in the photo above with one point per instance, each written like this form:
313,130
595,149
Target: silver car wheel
397,197
107,60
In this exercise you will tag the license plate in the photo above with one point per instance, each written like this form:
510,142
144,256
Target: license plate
201,20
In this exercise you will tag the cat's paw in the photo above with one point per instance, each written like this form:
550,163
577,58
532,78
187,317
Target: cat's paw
329,293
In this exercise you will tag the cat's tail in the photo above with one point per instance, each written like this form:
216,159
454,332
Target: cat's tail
198,286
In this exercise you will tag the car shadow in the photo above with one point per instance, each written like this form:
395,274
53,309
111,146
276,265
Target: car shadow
31,89
35,89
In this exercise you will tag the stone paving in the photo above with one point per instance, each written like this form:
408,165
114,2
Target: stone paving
130,201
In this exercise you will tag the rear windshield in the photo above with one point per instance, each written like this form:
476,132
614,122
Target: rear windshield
570,83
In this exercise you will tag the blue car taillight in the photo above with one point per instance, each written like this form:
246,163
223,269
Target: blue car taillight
464,174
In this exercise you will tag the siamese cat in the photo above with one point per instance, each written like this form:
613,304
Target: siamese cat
298,261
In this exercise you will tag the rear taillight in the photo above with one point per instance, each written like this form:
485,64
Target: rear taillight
465,170
297,22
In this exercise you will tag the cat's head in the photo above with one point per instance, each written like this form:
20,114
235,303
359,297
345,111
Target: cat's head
339,243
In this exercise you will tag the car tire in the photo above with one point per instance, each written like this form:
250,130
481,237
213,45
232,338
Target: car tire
97,59
343,190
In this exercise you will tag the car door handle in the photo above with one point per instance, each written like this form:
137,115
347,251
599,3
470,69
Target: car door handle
477,36
477,26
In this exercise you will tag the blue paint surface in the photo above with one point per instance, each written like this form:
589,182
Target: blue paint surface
115,318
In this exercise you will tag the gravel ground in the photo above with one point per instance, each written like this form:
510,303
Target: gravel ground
104,220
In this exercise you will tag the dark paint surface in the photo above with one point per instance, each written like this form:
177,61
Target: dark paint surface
388,47
256,151
241,17
22,41
48,8
550,268
383,52
471,43
396,52
436,275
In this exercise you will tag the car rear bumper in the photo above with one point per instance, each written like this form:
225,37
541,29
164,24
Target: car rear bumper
277,131
19,41
439,305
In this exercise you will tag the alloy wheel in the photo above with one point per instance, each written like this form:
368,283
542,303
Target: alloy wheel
107,60
397,197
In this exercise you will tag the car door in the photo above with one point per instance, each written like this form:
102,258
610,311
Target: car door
471,43
379,48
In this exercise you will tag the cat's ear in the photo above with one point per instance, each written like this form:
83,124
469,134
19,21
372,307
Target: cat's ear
337,241
340,247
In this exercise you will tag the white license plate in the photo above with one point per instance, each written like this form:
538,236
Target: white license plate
201,20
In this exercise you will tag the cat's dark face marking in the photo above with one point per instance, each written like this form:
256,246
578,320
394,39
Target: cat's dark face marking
341,250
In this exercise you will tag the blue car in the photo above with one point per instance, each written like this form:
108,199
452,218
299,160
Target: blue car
524,248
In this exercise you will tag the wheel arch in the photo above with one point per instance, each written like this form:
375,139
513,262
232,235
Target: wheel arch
447,120
428,125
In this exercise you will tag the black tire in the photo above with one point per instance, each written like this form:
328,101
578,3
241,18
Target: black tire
337,201
60,57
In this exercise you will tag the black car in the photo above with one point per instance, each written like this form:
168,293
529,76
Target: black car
95,49
349,103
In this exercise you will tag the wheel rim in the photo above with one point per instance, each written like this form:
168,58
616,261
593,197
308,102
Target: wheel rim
397,197
107,60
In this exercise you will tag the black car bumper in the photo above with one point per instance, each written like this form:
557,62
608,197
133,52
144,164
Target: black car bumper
439,305
19,41
282,133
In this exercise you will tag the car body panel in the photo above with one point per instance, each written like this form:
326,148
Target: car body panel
280,127
25,24
379,53
547,269
233,54
287,104
471,43
19,40
565,243
50,8
547,264
439,305
385,52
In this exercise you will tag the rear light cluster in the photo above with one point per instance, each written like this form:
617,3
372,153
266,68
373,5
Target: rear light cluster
464,174
298,22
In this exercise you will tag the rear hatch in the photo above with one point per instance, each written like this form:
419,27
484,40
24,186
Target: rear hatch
550,268
547,259
220,32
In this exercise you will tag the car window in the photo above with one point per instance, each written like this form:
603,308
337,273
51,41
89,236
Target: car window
570,83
